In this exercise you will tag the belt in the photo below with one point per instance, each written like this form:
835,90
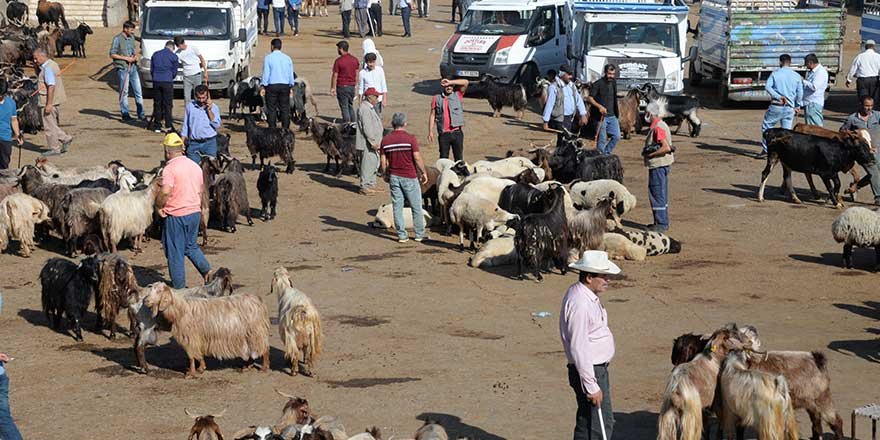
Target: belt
605,365
202,140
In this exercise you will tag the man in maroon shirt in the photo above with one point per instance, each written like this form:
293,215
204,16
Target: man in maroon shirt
345,70
403,168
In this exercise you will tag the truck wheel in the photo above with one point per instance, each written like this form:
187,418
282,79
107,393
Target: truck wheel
695,78
529,79
723,96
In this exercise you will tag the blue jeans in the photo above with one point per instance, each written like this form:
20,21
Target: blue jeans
658,193
8,430
813,114
405,14
278,15
262,20
608,128
179,240
776,114
208,148
409,188
293,18
129,78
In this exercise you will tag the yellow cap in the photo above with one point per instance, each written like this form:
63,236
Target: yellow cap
172,140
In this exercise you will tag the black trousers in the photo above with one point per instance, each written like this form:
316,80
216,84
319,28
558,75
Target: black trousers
163,102
867,87
346,23
559,125
376,16
456,4
452,140
278,102
5,154
587,419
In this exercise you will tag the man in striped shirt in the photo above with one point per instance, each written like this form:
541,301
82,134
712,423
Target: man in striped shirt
403,168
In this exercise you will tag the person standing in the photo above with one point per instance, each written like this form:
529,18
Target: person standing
456,4
589,344
423,7
369,46
163,69
865,69
9,130
405,13
293,15
345,8
277,81
403,168
362,17
563,100
343,80
124,54
195,69
447,114
179,204
868,119
373,77
368,139
262,16
814,90
658,159
376,16
278,8
603,110
200,124
52,96
786,89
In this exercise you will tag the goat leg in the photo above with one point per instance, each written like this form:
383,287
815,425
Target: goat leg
338,168
273,205
191,372
327,165
786,182
876,258
771,162
812,185
847,255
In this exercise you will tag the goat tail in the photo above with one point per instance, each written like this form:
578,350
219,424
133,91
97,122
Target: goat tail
691,415
667,422
821,361
316,337
287,328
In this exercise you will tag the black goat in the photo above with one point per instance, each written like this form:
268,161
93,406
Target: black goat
229,197
269,142
500,95
522,199
31,181
75,38
245,94
99,183
301,95
807,153
543,238
336,144
17,11
51,13
30,117
223,144
674,108
570,161
67,289
267,185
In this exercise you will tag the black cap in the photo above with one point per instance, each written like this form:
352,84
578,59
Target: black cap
567,69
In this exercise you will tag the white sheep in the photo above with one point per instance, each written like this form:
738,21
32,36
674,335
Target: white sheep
619,247
19,213
499,251
472,213
488,188
127,215
385,217
586,194
481,174
860,227
507,167
444,164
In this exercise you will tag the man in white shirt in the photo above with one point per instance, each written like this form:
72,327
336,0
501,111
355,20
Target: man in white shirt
814,90
195,70
865,68
373,76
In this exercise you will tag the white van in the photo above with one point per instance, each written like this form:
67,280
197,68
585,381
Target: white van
224,32
515,40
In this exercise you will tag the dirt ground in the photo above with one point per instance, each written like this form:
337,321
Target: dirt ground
411,331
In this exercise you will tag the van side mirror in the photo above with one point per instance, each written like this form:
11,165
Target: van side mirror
242,35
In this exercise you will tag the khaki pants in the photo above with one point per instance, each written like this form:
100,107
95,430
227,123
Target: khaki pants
55,136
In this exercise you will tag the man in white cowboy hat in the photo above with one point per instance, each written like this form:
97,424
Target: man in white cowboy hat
589,345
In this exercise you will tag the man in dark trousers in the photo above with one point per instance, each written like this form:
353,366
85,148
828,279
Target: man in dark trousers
865,69
603,102
277,81
447,114
163,69
342,82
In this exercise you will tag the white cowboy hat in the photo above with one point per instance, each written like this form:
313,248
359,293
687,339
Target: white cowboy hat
595,262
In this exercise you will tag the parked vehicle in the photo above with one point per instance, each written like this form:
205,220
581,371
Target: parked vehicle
870,21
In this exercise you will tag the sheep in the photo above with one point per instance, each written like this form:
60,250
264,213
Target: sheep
482,174
7,189
857,226
656,243
268,142
500,95
507,167
228,327
116,287
385,218
19,213
229,194
489,188
443,164
756,399
331,141
51,13
80,207
67,288
472,213
446,183
127,215
499,251
585,195
542,238
431,430
75,38
587,228
370,434
204,427
299,324
629,119
267,186
619,247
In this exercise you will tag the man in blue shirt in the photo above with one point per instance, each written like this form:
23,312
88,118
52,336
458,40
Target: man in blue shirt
293,15
786,89
559,111
277,81
200,124
163,69
814,90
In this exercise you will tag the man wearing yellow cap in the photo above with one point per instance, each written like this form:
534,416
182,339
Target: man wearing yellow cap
179,203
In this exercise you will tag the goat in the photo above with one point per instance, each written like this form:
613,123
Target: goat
75,38
830,134
257,433
204,427
299,324
67,288
228,327
229,194
678,108
73,176
431,430
587,228
222,144
500,95
17,12
127,215
756,399
19,213
300,95
629,119
570,161
51,13
49,193
267,186
295,412
245,93
475,214
429,189
116,287
334,144
269,142
80,210
210,169
521,199
27,100
543,237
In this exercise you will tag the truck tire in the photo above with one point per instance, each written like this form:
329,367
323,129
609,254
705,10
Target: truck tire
528,77
723,96
695,78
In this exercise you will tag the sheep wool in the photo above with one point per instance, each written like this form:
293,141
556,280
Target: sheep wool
857,226
587,194
385,218
496,252
656,243
619,247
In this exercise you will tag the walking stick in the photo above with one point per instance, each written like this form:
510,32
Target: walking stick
19,153
601,422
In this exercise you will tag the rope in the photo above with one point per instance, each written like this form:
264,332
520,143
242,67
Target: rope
59,74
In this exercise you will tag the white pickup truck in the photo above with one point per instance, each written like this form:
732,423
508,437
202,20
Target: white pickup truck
224,32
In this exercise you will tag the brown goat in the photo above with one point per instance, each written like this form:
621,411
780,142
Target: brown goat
117,287
210,170
295,412
204,427
629,114
830,134
51,13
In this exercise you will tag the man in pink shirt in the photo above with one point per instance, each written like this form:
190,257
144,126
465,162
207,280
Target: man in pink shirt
589,345
179,203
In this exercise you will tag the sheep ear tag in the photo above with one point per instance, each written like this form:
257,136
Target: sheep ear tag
713,348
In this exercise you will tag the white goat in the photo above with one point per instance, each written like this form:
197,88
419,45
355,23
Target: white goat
299,323
757,400
19,213
127,215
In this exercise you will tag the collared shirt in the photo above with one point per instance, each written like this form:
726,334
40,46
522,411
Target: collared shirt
185,179
346,5
403,4
196,124
372,78
586,338
788,83
398,148
815,85
865,65
872,124
570,100
189,58
277,69
124,46
163,66
48,74
263,5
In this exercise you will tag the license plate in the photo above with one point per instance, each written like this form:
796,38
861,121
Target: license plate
469,73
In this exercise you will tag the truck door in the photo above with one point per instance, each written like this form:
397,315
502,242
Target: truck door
563,31
544,39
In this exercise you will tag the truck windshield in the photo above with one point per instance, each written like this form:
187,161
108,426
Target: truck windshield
495,22
196,23
660,36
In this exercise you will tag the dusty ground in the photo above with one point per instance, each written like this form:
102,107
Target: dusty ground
411,331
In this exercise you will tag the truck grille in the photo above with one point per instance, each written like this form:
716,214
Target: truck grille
472,59
624,84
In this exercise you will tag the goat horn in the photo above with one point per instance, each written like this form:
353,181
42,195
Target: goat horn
285,394
194,416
